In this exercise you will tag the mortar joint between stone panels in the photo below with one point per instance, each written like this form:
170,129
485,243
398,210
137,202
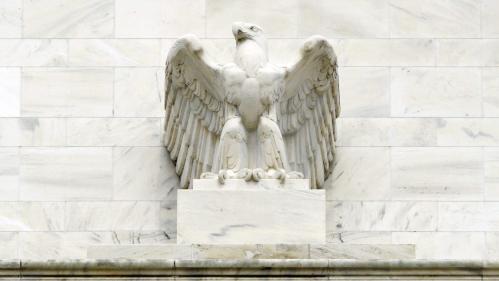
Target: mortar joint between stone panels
480,18
483,186
114,19
437,51
22,18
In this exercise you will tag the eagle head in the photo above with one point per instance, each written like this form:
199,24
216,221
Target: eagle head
251,47
247,31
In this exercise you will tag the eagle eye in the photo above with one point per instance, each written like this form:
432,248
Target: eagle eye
254,28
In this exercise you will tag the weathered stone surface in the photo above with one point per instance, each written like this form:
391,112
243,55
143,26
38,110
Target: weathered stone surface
251,216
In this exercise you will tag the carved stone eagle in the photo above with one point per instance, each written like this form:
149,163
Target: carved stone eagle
251,119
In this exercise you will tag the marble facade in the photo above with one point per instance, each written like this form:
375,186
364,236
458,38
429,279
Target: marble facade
418,136
275,213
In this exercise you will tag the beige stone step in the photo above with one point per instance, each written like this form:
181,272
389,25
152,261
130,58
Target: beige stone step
256,251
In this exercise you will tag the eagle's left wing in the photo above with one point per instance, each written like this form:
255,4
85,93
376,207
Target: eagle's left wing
308,111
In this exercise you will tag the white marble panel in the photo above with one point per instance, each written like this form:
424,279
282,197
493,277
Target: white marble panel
11,19
361,173
138,92
42,131
156,237
149,13
492,242
286,52
468,132
444,245
113,132
460,52
67,92
10,132
363,52
490,88
9,245
365,91
491,173
168,218
60,18
337,18
359,237
412,52
59,245
33,52
468,216
114,52
363,131
490,21
413,131
251,216
381,216
436,173
428,18
32,131
490,52
183,252
435,92
122,215
10,92
65,173
159,18
142,173
251,251
277,18
31,216
388,131
386,52
9,174
362,252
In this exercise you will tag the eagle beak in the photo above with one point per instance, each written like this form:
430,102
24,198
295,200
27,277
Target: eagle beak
238,31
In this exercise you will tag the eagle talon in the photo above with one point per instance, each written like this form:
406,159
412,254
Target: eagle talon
222,175
245,174
258,174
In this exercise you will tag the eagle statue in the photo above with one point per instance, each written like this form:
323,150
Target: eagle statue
251,119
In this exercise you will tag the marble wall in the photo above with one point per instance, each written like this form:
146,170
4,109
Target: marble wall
81,161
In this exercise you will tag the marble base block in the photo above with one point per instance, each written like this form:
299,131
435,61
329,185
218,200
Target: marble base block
251,214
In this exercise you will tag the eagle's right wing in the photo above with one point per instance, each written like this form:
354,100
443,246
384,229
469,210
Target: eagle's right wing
194,98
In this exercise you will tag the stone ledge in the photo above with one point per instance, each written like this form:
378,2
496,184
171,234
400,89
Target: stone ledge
228,268
254,251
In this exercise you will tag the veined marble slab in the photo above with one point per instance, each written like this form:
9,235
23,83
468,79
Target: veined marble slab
11,19
10,91
139,252
251,251
228,216
238,184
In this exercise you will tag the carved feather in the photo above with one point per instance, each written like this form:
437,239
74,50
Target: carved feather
193,108
308,109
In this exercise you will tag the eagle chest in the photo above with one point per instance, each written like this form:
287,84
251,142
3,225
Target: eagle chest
251,95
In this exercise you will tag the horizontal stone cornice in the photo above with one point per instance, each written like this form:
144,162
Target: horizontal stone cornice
262,267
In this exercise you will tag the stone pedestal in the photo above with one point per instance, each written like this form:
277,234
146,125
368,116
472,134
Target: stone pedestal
251,213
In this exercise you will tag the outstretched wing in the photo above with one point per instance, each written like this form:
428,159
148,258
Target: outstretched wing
308,111
194,108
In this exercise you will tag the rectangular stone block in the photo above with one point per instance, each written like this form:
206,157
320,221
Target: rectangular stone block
435,92
81,18
140,252
251,215
363,252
